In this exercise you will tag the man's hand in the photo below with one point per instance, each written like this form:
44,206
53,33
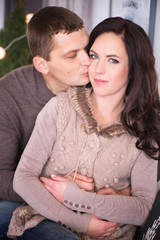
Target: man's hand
82,181
111,191
99,229
56,185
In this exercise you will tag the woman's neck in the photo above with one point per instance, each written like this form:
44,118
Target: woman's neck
106,110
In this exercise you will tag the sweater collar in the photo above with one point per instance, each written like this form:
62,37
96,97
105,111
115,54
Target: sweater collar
79,98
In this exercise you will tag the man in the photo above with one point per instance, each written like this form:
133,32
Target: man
57,41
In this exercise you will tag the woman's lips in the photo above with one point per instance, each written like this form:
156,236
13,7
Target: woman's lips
100,81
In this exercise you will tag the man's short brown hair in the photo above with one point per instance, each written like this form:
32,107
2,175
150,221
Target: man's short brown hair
45,24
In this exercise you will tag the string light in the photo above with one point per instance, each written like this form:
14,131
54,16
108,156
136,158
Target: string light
2,53
28,17
3,50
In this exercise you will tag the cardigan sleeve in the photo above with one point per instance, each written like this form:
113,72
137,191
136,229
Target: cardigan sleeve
132,209
26,181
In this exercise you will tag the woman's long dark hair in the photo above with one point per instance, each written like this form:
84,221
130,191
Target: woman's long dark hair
141,114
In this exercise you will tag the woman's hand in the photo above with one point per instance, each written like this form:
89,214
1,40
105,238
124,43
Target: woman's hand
56,185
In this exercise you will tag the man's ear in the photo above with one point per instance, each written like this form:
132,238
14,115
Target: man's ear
40,64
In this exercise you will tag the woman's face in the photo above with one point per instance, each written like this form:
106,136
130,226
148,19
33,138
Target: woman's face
108,71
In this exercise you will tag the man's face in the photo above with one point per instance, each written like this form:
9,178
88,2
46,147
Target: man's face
68,64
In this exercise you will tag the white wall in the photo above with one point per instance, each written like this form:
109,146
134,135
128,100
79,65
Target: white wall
81,7
2,11
91,11
100,11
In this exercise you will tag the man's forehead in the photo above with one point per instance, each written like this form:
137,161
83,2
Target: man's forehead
79,36
74,41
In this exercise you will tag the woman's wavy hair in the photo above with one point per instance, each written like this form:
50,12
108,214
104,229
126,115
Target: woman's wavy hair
141,114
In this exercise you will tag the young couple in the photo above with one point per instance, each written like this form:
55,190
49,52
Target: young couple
87,141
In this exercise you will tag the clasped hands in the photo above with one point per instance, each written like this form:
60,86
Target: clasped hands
57,185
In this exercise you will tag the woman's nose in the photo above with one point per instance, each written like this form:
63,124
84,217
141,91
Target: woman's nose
100,66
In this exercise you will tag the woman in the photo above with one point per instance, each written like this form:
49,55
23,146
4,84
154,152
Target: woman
109,132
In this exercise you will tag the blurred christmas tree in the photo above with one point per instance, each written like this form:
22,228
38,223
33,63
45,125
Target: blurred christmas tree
18,54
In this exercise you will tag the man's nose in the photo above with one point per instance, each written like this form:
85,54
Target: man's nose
85,60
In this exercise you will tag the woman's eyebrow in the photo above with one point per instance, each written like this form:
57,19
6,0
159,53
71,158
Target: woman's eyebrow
109,55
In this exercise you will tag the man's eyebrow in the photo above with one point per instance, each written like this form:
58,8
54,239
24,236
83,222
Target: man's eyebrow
70,51
74,50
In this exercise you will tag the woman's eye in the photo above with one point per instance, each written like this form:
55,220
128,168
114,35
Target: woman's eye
112,60
93,56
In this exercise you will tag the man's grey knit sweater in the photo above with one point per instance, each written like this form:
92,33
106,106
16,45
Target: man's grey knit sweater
23,93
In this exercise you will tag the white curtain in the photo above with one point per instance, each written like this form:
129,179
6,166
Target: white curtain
2,11
84,8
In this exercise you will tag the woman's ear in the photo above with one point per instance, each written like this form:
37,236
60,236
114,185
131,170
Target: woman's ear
40,64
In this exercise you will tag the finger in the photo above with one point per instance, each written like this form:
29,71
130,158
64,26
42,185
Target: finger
47,181
81,177
106,235
111,230
126,191
100,237
107,191
47,187
102,191
85,185
103,236
59,178
112,224
70,178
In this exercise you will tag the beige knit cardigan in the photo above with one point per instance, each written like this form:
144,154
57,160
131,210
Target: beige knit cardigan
66,138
